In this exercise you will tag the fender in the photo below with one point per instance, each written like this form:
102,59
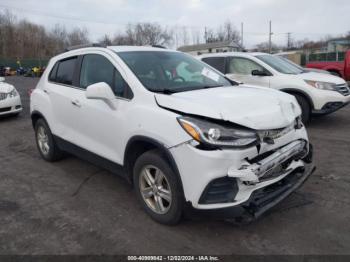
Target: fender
154,144
35,115
297,91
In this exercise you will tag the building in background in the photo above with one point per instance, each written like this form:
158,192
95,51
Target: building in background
338,45
215,47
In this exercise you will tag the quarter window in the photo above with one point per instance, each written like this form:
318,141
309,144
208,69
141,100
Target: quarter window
243,66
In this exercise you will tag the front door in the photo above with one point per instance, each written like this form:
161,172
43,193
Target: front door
240,69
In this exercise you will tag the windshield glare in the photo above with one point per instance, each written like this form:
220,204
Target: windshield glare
162,71
280,64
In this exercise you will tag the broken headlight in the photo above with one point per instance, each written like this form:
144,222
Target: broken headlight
214,134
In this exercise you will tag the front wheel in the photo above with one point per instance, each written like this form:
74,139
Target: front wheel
305,108
157,188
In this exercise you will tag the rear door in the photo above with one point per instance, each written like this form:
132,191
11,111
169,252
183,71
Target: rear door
62,89
240,69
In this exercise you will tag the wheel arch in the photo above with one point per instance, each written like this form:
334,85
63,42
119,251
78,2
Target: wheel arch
35,116
293,91
137,145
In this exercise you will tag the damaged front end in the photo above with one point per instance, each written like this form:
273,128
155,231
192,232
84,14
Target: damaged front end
259,167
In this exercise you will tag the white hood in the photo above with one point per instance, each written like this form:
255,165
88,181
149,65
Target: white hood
313,76
254,107
5,87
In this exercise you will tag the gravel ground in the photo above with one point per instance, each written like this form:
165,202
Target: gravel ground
73,207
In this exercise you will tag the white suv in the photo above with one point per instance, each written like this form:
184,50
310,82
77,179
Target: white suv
316,93
186,137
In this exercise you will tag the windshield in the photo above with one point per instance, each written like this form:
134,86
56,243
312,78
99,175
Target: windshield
280,64
292,63
171,72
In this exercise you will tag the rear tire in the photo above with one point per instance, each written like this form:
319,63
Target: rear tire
305,108
162,200
45,142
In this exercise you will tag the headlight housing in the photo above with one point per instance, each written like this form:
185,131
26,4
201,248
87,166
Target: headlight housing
321,85
219,135
13,93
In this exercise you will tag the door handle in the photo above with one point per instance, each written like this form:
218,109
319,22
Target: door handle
76,103
45,91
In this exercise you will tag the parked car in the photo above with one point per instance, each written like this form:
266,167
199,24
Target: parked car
10,101
337,68
187,138
316,93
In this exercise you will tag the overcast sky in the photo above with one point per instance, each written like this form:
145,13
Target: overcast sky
310,19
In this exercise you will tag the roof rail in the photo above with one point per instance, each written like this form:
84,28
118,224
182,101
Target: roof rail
84,46
159,46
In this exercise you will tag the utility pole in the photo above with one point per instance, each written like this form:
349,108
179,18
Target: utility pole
242,35
289,41
270,43
205,34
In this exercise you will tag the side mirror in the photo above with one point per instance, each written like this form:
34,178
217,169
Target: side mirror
259,73
101,91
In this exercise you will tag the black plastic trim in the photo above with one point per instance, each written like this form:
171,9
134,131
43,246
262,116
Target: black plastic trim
89,156
159,146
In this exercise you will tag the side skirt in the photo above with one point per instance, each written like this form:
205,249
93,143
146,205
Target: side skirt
90,157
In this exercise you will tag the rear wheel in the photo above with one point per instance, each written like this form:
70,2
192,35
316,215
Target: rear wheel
46,144
305,108
157,188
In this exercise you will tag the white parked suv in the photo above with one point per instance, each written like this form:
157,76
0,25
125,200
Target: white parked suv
188,139
316,93
10,101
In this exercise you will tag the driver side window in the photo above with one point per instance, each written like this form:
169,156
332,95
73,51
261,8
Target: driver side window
243,66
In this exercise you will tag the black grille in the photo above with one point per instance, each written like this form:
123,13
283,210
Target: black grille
343,89
5,109
220,190
3,96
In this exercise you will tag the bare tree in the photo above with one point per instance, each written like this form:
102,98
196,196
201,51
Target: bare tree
78,36
225,32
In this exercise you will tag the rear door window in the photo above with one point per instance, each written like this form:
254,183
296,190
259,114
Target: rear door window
65,71
217,62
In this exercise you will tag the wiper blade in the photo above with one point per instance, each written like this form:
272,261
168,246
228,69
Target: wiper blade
163,91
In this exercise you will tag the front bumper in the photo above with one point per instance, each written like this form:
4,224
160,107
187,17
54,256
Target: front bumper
261,201
199,168
330,107
10,106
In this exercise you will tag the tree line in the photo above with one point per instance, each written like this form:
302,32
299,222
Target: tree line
20,38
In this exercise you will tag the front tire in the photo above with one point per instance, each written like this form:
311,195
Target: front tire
305,108
157,188
45,142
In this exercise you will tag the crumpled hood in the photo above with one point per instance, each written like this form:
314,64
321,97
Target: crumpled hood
254,107
314,76
5,87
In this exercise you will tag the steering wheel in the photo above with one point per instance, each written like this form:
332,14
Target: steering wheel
179,78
